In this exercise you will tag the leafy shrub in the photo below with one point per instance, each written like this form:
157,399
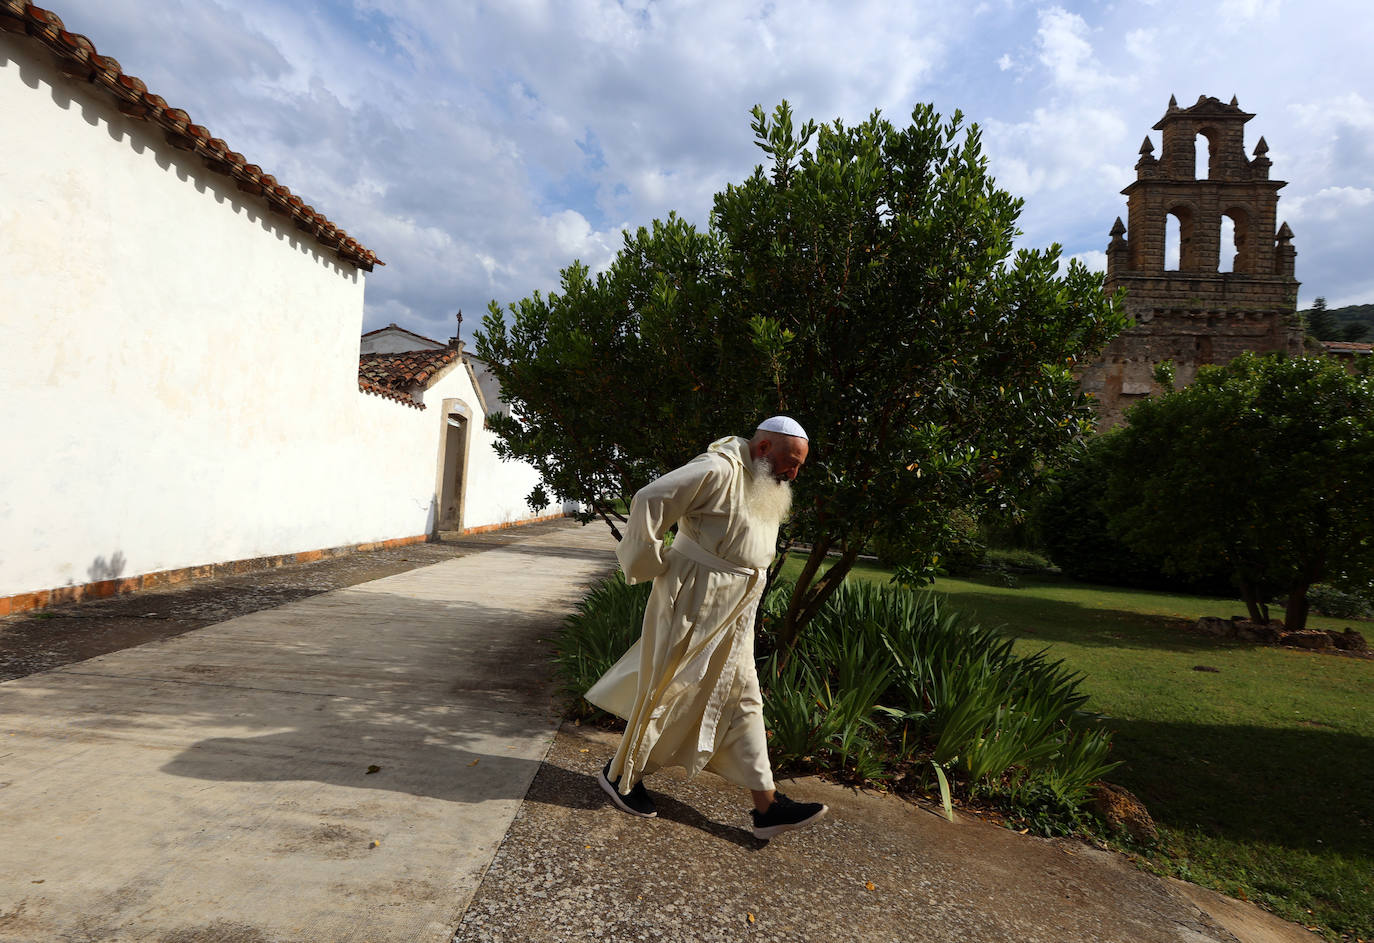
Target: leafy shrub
885,677
1339,604
965,549
955,548
1017,558
1075,531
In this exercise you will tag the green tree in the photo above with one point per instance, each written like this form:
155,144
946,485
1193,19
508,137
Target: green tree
865,283
1343,324
619,377
1073,528
930,361
1262,465
1320,323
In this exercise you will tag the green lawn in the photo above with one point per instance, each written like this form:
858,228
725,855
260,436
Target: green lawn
1259,773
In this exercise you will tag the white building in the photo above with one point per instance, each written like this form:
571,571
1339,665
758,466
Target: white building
182,387
395,339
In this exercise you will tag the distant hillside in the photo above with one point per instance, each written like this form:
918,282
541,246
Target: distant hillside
1351,314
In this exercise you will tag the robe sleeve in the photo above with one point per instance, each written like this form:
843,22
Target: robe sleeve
659,505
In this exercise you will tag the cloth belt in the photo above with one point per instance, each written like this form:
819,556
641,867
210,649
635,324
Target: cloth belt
695,552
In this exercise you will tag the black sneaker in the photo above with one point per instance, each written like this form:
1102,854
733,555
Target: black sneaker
636,803
784,815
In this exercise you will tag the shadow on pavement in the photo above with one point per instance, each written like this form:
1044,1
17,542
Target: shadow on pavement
291,695
557,785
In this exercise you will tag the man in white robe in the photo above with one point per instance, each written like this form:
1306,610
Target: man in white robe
687,689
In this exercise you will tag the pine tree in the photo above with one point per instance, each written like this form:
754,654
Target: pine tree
1320,323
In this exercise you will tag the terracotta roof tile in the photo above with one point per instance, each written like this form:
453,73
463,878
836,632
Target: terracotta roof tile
398,376
367,386
405,370
77,57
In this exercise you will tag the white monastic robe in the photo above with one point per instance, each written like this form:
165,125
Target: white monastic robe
688,689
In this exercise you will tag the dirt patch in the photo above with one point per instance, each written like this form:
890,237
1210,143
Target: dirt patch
326,840
221,931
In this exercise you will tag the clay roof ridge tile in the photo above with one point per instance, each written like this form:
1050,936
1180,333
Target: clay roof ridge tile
130,87
108,72
76,45
43,23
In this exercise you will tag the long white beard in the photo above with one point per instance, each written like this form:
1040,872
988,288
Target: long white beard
768,498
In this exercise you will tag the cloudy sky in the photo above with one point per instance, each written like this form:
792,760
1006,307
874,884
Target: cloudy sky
478,147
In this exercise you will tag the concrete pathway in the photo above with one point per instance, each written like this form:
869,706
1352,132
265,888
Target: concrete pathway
341,768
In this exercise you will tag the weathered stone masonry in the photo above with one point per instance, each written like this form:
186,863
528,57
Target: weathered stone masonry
1196,314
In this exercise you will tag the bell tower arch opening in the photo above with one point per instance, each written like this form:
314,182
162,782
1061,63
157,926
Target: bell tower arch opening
1205,158
1226,238
1180,248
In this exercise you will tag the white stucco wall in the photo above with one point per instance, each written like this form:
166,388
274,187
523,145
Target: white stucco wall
181,385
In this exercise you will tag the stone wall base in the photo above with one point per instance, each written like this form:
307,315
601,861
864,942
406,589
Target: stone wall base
42,599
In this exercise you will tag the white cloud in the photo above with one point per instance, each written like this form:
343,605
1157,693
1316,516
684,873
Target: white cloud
1094,259
1351,109
1066,51
1335,140
1056,148
1142,43
1248,10
1330,204
479,148
573,237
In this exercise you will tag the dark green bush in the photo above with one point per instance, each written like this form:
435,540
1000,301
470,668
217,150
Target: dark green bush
957,549
1339,604
1074,531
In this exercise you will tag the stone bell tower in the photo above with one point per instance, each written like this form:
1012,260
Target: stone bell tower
1196,313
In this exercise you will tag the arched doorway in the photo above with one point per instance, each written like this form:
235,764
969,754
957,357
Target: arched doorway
451,488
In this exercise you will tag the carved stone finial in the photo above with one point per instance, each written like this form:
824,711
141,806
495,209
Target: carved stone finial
1118,229
1234,102
1285,234
1261,148
1148,147
1173,103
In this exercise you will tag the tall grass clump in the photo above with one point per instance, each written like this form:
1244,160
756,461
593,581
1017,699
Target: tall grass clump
888,686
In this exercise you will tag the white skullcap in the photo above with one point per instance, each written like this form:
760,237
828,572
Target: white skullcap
784,424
